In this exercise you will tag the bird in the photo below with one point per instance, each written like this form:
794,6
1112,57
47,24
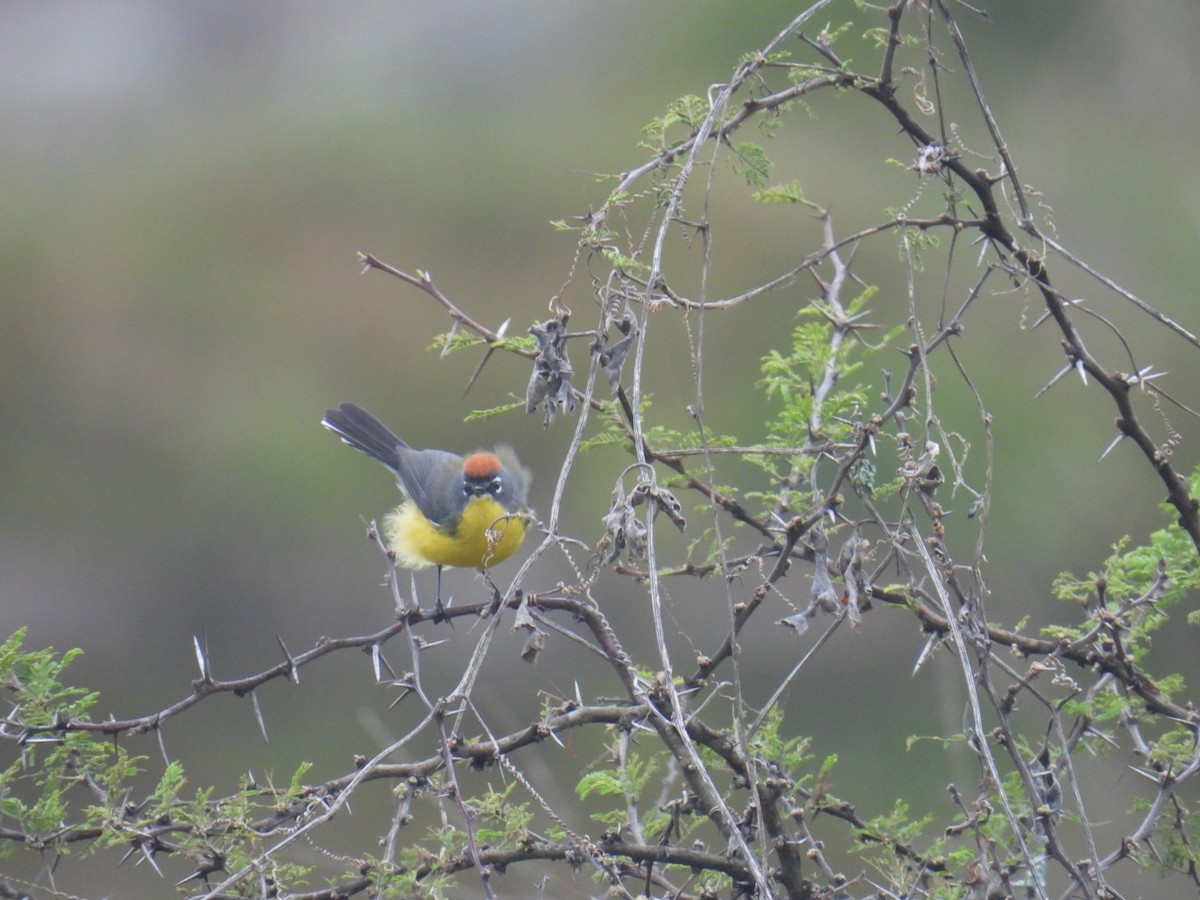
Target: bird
466,512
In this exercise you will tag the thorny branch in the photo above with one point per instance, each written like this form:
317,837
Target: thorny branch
728,784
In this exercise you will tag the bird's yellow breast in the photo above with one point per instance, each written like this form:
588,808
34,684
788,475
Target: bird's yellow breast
418,542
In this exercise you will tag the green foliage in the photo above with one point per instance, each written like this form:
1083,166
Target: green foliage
612,435
913,241
756,57
879,836
804,419
862,476
791,192
479,415
749,159
453,341
33,681
42,791
166,794
1136,587
790,753
789,377
688,111
1177,851
1106,706
661,438
503,824
35,788
1173,750
626,780
751,162
830,34
880,38
944,740
622,262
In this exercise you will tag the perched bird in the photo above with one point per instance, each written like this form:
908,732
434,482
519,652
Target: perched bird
468,512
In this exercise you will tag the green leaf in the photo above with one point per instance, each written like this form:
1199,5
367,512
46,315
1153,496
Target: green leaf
751,162
689,111
478,415
791,192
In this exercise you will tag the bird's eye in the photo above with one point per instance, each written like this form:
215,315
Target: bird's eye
496,486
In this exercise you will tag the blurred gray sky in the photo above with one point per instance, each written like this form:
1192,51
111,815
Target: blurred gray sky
185,187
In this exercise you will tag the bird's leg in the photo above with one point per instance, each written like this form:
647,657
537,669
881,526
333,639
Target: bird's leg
439,610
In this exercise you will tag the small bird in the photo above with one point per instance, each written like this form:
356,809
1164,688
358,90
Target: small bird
465,512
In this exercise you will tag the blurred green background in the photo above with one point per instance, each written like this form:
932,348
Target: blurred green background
184,190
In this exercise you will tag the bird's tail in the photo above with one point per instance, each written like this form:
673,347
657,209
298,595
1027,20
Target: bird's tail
365,433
